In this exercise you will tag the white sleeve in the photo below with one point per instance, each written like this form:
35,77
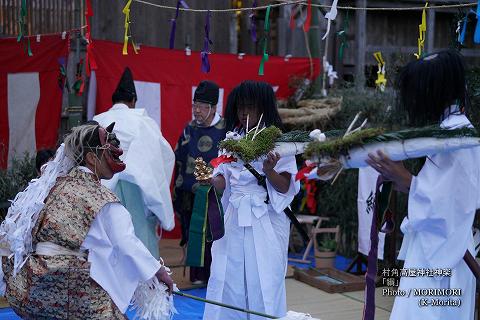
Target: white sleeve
441,206
278,200
119,260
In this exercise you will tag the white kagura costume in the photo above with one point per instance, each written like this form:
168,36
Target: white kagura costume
144,186
249,263
442,202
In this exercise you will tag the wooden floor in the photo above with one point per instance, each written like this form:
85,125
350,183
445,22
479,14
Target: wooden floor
338,306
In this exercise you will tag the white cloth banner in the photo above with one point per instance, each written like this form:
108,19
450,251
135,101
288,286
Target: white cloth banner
23,96
367,181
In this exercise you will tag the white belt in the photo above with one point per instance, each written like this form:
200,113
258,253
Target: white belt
49,249
248,202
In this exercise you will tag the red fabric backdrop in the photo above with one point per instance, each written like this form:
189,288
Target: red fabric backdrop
44,62
177,73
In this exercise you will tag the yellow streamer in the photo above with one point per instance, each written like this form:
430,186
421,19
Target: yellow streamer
422,28
126,11
381,81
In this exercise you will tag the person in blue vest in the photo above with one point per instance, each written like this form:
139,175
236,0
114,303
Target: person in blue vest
200,138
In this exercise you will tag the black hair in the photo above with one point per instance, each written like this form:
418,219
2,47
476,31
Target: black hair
42,157
123,96
431,84
259,94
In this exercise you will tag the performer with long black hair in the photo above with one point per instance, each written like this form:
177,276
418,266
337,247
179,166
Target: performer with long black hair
442,198
249,263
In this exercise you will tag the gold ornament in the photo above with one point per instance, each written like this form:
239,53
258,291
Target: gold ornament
202,171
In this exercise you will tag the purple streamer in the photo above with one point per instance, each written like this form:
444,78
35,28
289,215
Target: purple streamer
253,26
215,216
174,22
371,275
206,43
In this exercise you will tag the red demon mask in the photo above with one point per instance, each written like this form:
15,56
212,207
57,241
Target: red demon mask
110,142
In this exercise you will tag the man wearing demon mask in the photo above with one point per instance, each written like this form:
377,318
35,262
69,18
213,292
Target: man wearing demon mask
76,255
144,186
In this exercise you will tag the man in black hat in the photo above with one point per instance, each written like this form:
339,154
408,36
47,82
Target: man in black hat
144,186
125,92
200,138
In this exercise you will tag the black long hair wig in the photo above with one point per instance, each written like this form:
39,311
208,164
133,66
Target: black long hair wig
430,85
258,94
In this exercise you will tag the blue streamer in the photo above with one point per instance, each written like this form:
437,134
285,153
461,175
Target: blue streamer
476,36
461,36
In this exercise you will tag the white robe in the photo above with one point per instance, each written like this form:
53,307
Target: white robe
249,263
119,260
148,156
442,202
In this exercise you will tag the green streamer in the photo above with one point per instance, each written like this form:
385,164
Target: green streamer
266,28
342,34
22,25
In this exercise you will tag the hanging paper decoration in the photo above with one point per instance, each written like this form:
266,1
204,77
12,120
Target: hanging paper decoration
266,29
206,43
174,22
462,30
342,34
381,81
476,36
306,25
90,63
23,27
253,27
330,16
62,75
296,13
127,35
331,74
79,84
422,28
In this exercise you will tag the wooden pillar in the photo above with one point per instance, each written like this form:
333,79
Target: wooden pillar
360,43
233,35
430,40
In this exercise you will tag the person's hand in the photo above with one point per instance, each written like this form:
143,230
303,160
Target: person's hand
391,170
271,161
163,276
205,182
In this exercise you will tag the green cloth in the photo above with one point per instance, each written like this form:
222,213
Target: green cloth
131,197
206,224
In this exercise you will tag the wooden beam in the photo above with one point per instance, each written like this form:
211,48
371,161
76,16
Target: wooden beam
360,43
430,41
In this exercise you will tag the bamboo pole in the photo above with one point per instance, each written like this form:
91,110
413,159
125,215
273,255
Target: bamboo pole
224,305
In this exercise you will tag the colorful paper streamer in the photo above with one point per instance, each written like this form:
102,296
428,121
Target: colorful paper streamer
422,28
342,34
330,16
174,22
476,36
90,63
381,81
127,35
266,29
306,25
22,29
206,43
